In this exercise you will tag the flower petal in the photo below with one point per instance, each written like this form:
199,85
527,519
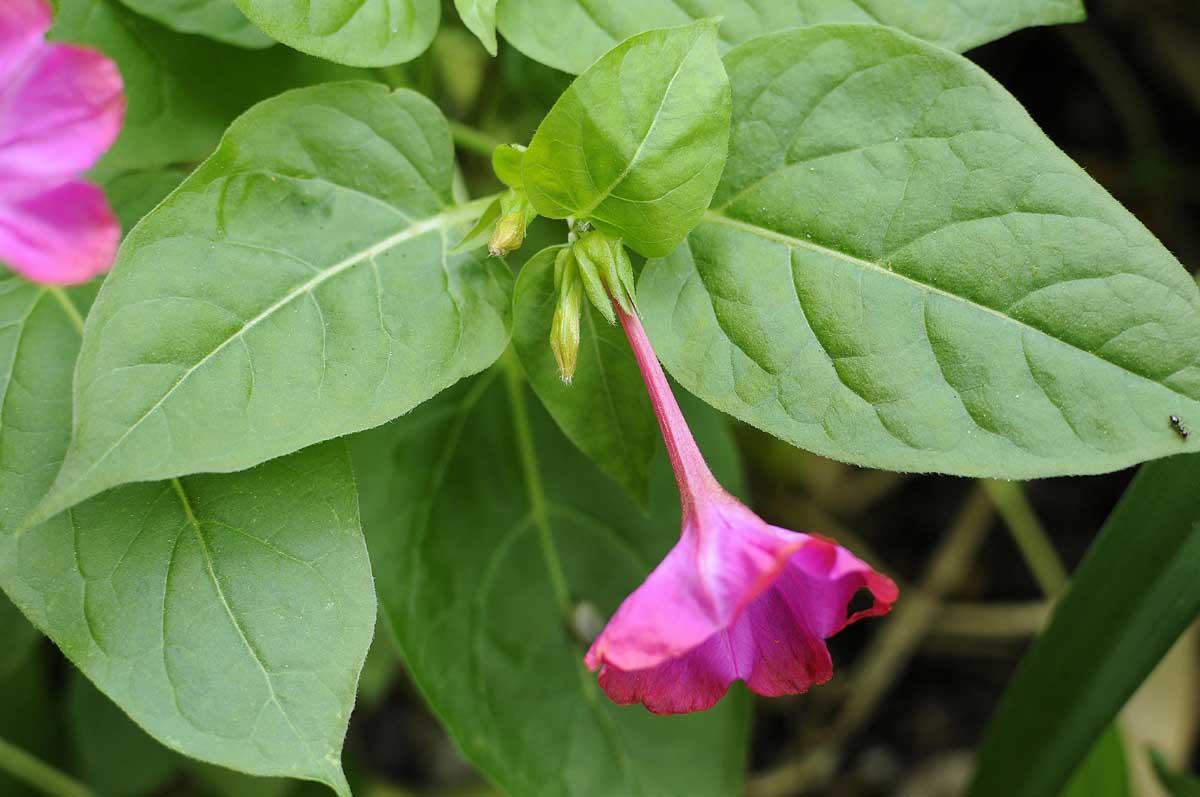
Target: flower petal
60,114
695,681
23,23
725,559
65,235
823,577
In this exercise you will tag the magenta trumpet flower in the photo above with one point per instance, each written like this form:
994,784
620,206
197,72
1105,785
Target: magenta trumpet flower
61,108
736,598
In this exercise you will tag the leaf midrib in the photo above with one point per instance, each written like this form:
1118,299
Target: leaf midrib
714,217
415,230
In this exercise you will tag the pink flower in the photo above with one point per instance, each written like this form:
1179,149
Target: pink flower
61,108
735,599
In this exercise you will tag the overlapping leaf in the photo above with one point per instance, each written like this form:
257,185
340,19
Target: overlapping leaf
354,32
297,287
229,615
571,34
491,538
637,143
183,90
901,271
216,19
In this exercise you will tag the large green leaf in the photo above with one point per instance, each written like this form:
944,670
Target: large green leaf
490,536
216,19
299,286
480,17
605,409
1133,595
637,143
229,615
901,271
354,32
183,90
571,34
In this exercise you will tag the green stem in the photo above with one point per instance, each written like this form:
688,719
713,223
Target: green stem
38,774
473,140
1028,534
515,382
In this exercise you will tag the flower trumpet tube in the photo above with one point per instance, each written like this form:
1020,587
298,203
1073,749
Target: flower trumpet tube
735,599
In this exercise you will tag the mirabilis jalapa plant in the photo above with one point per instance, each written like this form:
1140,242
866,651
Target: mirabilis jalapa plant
304,385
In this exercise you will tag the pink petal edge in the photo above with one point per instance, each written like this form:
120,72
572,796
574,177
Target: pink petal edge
65,235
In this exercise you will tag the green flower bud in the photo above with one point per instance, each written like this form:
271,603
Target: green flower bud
607,272
564,329
516,214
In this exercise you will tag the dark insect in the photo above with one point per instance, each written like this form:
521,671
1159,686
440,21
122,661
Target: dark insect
1179,428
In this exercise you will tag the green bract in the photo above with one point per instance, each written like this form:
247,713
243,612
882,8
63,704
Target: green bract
899,270
484,565
480,17
637,143
604,410
216,19
297,287
354,32
571,34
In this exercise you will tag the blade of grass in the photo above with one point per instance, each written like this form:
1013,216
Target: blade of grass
1133,595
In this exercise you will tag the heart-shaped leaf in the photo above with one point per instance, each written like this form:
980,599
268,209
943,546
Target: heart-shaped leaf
637,143
354,32
571,34
496,547
299,286
901,271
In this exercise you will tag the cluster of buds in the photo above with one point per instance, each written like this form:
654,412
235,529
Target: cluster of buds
595,264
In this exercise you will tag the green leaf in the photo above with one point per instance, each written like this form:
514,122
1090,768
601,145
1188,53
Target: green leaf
174,116
637,143
480,18
605,410
901,271
1105,771
487,531
216,19
18,635
118,759
354,32
571,34
1133,595
1176,784
297,287
508,161
228,615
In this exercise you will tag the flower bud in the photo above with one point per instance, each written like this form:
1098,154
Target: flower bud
607,272
564,329
516,214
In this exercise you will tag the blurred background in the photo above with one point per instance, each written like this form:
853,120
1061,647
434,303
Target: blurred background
978,562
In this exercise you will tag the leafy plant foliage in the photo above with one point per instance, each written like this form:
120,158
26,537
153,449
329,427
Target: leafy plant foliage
899,270
279,333
488,569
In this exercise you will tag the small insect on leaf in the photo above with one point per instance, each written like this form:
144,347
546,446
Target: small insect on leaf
1178,426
